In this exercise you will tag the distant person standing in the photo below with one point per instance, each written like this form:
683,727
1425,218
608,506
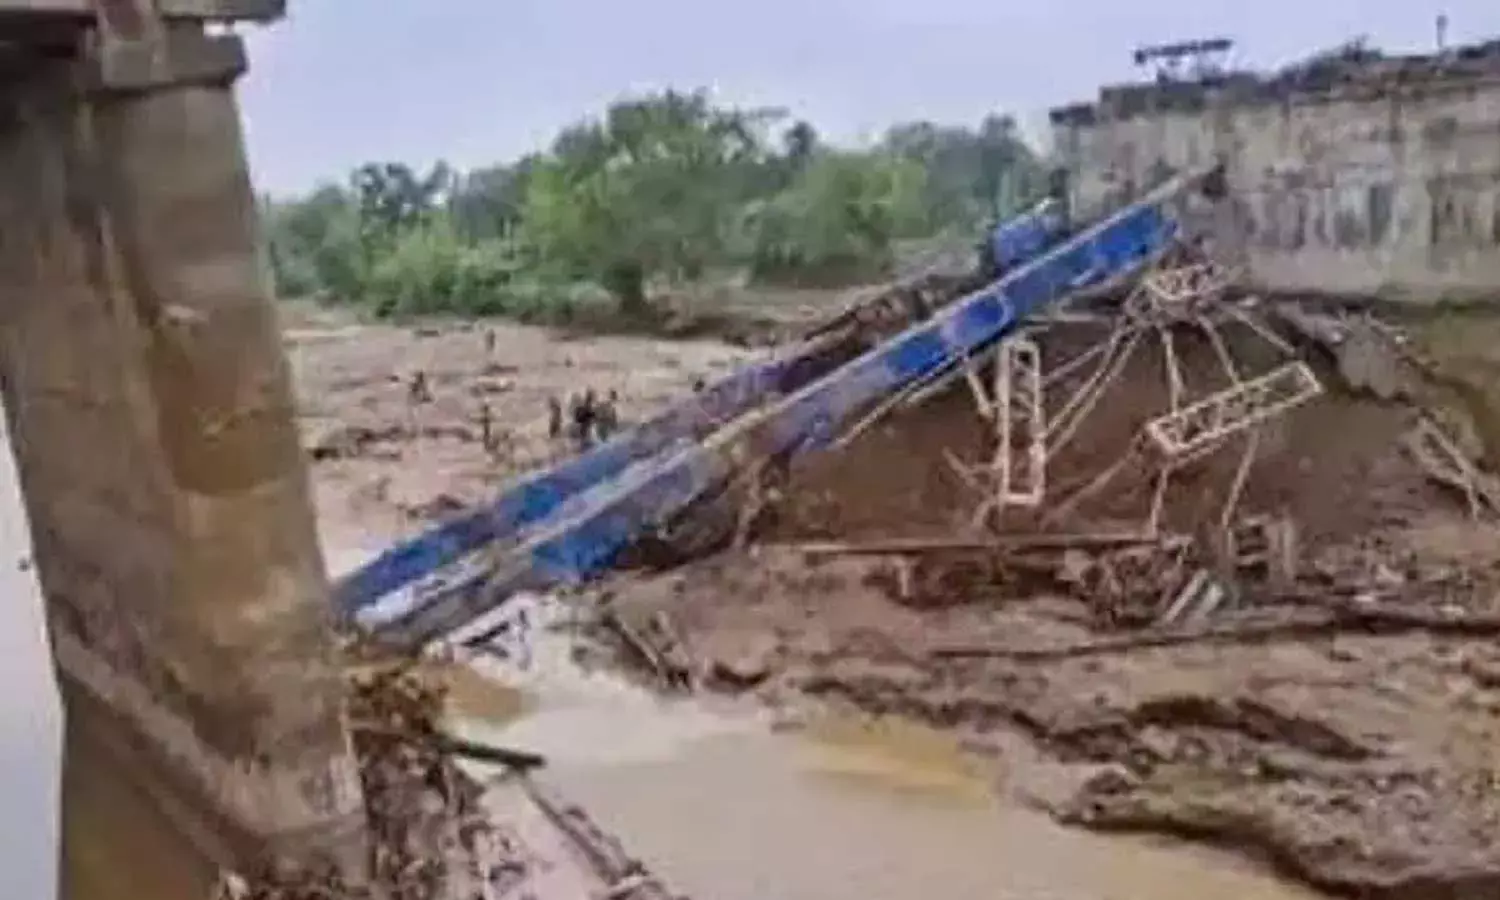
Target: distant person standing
607,417
584,414
554,418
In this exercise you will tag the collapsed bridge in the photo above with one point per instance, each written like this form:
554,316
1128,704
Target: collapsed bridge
572,522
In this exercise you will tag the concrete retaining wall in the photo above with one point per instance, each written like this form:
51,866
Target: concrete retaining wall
1391,191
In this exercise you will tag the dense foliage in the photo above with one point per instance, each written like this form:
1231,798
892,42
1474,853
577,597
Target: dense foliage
662,189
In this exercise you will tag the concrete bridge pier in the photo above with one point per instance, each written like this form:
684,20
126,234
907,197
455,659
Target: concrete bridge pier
151,417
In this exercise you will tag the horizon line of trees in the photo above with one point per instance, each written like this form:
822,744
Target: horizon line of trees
662,189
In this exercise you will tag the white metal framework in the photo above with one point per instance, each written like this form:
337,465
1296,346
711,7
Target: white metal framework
1188,433
1183,289
1020,463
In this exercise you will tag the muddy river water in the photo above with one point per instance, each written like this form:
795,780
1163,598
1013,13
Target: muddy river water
727,807
721,804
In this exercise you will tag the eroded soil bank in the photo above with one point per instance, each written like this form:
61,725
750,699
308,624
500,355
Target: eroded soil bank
1346,735
1344,730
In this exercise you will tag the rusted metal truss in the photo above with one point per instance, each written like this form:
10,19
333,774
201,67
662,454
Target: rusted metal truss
1020,462
1187,434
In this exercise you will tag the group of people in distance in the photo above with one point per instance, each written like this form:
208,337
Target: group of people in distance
588,418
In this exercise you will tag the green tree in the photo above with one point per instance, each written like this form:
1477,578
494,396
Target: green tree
487,203
393,197
837,220
1010,176
799,142
649,190
314,244
428,269
970,173
661,187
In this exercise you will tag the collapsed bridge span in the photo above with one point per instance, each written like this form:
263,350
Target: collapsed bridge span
585,534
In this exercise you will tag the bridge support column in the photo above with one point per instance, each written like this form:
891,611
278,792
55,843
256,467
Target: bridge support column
151,416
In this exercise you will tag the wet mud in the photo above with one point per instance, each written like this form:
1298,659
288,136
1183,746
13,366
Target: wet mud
1342,733
822,806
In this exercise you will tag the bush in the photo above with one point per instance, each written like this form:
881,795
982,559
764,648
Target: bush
836,222
427,270
314,245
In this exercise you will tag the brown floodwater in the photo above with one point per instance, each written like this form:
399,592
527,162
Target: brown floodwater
726,807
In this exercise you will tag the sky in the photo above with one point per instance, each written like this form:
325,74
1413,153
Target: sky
475,82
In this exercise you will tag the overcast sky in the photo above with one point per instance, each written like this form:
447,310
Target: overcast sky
340,82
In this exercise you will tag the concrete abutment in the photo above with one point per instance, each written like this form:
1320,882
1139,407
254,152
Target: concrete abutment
152,421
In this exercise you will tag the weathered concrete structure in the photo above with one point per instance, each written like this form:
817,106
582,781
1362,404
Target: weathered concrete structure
151,413
1354,175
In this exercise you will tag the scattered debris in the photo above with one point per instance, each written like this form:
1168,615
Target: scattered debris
675,648
1144,508
626,877
1184,293
1442,460
653,650
744,666
351,441
432,836
434,508
518,760
1198,600
418,390
1360,614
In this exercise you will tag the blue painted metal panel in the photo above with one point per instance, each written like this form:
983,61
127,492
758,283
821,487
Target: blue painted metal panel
1022,238
540,494
401,569
603,521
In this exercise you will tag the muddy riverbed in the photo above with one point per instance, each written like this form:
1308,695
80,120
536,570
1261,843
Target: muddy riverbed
851,758
1343,731
1353,754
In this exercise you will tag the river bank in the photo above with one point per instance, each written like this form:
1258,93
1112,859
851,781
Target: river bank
1332,714
384,467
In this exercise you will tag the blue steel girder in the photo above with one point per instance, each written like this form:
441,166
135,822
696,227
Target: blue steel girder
394,579
585,538
540,494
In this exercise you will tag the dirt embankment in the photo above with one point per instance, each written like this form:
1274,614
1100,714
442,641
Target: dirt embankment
1334,465
1346,733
